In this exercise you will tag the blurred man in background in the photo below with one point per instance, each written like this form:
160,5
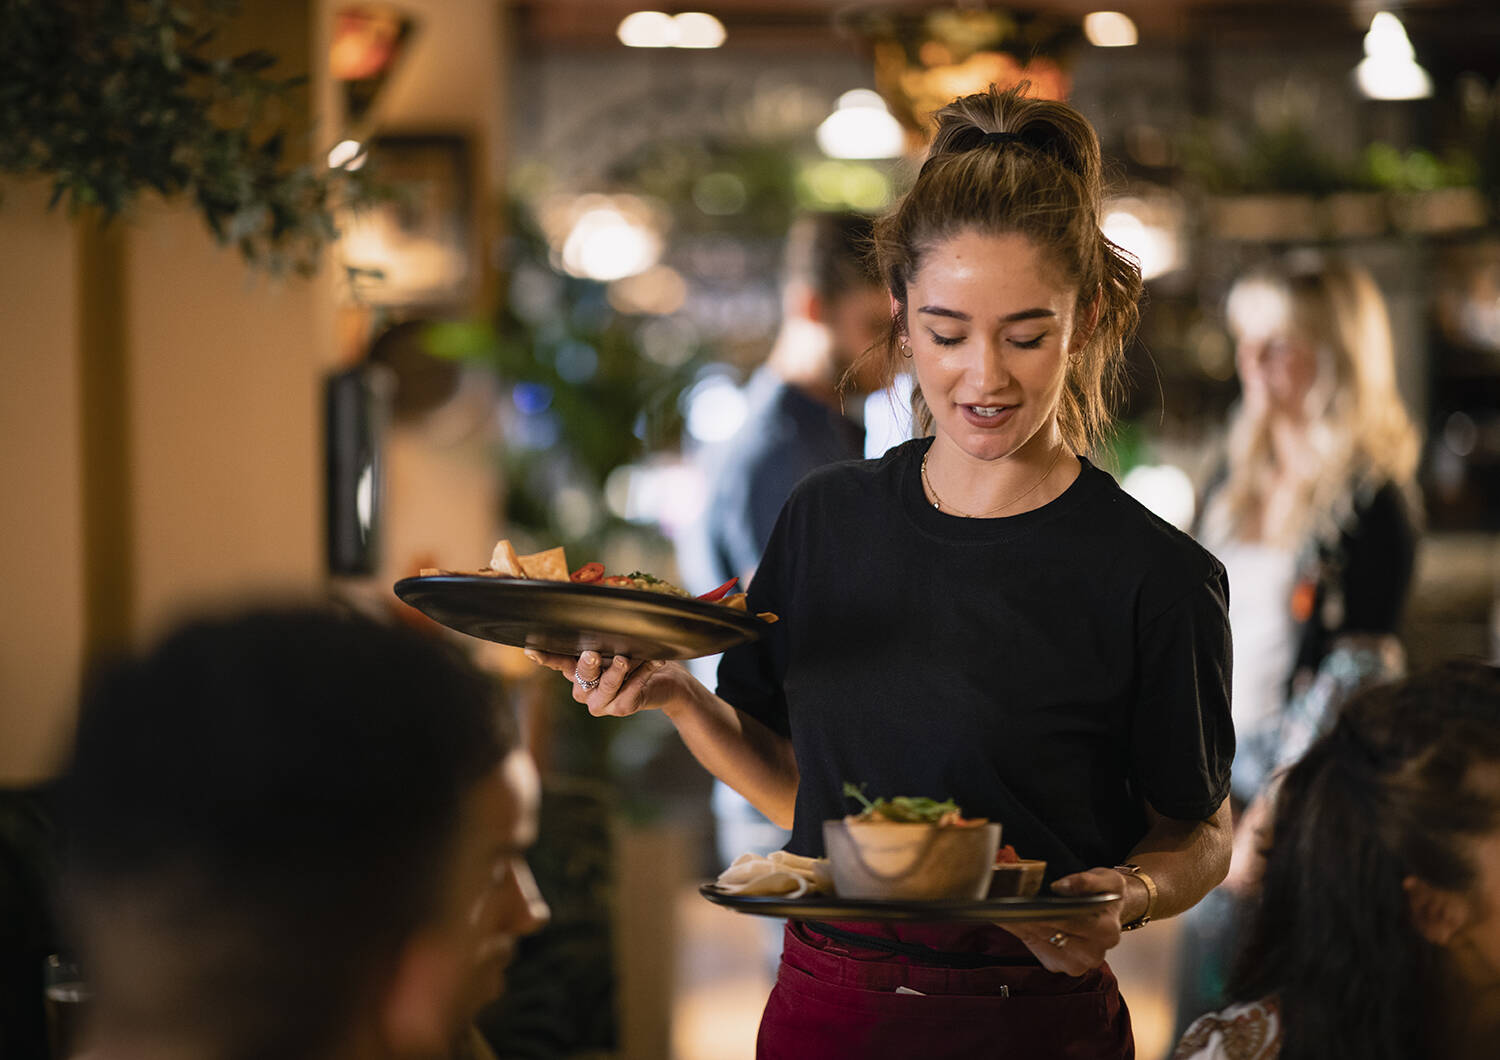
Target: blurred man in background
296,834
804,407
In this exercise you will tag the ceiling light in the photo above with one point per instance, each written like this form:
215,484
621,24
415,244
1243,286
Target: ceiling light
1148,228
1389,69
657,29
648,29
606,244
1109,29
346,154
698,30
861,127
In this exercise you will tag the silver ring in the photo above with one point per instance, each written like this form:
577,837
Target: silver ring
587,686
1058,939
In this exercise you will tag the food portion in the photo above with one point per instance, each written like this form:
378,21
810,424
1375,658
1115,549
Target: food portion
873,856
919,848
778,872
552,565
649,583
907,809
1015,876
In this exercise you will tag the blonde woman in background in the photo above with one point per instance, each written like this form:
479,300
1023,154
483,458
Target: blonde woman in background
1312,513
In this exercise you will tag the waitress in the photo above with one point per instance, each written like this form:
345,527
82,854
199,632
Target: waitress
983,615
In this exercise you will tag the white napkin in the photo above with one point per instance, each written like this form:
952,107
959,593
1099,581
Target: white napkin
777,873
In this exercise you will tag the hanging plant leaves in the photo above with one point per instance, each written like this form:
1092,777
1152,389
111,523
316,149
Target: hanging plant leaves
111,99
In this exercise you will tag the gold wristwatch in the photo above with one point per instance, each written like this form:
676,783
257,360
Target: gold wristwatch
1144,918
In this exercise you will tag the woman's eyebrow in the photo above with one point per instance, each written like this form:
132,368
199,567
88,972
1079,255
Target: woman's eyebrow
1009,318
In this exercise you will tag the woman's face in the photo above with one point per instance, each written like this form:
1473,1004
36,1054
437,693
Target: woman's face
1476,945
496,899
1276,362
990,324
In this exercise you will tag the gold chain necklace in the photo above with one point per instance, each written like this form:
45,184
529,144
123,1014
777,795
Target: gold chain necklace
938,504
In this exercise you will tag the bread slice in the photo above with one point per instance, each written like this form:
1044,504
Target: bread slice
549,566
504,561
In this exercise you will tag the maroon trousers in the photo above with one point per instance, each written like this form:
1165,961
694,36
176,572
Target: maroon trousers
835,1000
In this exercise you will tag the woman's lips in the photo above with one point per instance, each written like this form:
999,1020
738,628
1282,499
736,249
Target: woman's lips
987,416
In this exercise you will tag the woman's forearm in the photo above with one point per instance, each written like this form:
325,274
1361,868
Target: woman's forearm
743,753
1185,860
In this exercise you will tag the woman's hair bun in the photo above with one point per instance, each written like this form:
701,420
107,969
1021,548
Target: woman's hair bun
1013,118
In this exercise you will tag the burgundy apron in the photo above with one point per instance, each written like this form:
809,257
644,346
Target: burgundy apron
836,999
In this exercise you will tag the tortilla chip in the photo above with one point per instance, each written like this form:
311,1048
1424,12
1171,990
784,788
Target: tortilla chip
551,565
505,562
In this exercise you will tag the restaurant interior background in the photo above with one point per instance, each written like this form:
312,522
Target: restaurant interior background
556,265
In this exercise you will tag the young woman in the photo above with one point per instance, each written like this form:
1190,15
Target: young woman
1376,931
1311,514
984,615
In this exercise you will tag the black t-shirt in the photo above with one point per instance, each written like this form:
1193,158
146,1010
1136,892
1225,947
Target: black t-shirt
1053,670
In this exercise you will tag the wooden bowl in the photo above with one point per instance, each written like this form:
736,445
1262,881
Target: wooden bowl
1017,879
888,859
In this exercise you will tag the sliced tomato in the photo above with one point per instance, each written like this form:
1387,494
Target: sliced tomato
1006,855
718,594
589,572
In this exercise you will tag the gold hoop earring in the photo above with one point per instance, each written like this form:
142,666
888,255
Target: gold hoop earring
905,349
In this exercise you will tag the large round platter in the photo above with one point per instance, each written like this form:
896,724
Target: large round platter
567,618
827,907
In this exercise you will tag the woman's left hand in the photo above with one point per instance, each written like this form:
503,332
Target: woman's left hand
1077,944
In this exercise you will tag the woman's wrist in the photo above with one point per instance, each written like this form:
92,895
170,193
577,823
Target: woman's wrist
684,698
1137,897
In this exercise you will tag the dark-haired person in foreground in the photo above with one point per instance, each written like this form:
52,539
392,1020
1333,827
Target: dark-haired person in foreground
295,834
1376,933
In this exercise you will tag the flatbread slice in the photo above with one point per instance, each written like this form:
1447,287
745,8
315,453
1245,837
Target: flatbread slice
504,562
551,565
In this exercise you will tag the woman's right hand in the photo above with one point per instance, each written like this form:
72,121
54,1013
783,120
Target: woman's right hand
619,689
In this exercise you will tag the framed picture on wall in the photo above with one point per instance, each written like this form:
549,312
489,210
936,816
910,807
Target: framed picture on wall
419,249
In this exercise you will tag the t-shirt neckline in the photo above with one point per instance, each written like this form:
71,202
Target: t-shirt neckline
1004,527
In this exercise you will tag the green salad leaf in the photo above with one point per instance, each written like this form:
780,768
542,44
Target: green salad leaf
904,809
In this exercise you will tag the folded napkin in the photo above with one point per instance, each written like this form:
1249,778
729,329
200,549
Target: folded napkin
777,873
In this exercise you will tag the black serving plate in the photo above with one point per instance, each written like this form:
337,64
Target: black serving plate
567,618
828,907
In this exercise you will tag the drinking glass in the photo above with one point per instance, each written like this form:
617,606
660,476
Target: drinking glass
66,996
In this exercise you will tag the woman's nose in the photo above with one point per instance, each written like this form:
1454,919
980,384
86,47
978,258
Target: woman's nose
988,371
527,908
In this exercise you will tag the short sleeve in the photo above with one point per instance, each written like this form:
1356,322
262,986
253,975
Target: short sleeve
1182,736
751,674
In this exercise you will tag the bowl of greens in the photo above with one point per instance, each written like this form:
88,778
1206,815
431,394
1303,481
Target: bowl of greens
910,848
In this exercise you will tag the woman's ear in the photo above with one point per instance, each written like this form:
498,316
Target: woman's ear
801,302
1439,915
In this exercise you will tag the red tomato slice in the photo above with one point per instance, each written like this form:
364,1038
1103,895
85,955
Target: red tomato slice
719,593
589,572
